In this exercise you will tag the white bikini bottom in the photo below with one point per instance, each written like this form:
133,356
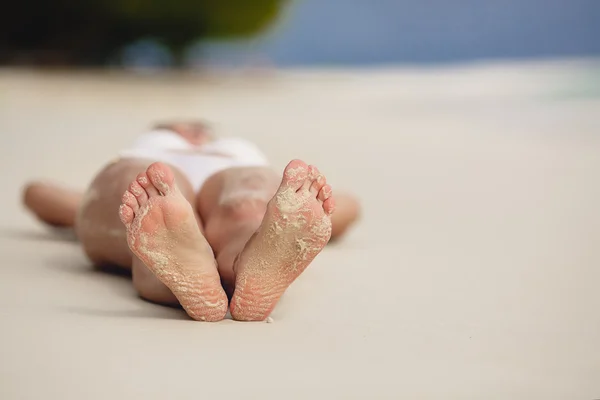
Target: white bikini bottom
198,163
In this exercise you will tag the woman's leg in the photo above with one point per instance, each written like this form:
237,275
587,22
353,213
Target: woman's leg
347,211
103,236
57,206
232,204
264,234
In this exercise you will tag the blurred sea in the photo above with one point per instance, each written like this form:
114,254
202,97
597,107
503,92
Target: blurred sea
375,32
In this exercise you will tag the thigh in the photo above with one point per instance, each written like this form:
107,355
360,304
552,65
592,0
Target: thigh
233,198
98,226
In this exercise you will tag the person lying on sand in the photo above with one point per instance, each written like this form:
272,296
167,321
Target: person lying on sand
201,220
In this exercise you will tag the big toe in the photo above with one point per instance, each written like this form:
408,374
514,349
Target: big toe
161,177
295,174
144,182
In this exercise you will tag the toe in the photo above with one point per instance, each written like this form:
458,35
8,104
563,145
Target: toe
324,193
305,186
317,184
129,200
139,192
295,174
312,175
313,172
126,214
144,182
329,205
161,177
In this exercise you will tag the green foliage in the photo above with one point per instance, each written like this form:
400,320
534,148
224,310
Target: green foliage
87,32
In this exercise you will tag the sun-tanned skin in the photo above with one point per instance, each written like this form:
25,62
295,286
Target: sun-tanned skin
246,229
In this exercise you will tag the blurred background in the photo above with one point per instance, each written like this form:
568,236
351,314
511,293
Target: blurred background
275,69
468,129
193,33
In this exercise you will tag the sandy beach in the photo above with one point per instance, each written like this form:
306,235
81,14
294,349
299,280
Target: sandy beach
473,273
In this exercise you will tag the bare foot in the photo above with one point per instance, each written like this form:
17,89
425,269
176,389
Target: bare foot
162,231
296,227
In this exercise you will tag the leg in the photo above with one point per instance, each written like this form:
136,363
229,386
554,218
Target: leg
162,230
58,206
232,204
347,211
285,233
52,204
103,236
149,287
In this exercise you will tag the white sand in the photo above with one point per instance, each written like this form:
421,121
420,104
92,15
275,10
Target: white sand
474,274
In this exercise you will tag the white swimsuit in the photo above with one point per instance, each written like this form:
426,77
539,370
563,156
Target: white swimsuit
198,163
